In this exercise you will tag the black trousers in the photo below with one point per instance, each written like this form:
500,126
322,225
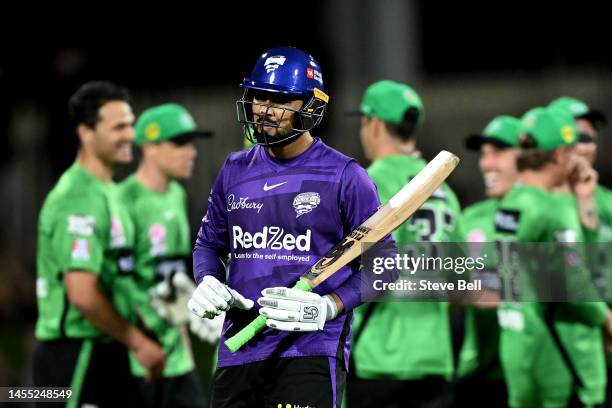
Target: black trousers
295,382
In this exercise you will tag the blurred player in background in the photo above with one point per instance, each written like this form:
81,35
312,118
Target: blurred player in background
157,204
589,122
543,345
85,263
480,375
402,351
277,208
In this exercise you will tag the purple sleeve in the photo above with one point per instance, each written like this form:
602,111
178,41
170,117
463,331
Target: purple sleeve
211,247
358,201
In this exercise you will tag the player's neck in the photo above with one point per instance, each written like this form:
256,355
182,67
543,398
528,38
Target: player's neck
150,176
541,179
396,149
299,146
95,165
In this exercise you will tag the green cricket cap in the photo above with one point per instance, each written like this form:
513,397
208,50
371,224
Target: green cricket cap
549,127
389,100
503,132
580,110
167,122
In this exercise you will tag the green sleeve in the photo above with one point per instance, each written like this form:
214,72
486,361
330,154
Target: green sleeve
81,235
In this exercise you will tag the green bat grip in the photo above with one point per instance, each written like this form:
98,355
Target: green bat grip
256,326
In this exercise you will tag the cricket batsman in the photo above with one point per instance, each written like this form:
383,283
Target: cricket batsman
412,363
277,208
479,370
157,205
85,265
543,345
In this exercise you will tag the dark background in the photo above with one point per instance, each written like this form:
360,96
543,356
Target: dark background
468,63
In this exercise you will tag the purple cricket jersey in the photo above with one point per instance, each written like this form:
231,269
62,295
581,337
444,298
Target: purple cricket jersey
276,218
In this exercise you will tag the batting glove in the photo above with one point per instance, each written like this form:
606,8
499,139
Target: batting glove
212,297
296,310
208,330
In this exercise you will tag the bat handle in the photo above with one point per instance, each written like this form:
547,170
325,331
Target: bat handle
257,325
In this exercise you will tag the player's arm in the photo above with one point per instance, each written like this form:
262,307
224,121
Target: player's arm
84,293
212,296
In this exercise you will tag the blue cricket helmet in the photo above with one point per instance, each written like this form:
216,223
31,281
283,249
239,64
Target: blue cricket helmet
296,75
286,70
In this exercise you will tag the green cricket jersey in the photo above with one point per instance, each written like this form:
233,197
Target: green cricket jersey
480,351
408,340
535,369
162,247
81,227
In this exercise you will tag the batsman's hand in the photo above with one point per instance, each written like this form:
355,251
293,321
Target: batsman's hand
295,310
212,297
208,330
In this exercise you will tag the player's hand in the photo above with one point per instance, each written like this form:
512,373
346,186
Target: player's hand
295,310
212,297
169,298
583,177
151,356
208,330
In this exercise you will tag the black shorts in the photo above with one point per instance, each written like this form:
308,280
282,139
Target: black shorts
315,382
182,391
98,373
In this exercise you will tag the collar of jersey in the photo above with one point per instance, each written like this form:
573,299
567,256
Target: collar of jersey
282,164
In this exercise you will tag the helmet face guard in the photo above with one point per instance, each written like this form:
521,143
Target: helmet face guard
303,120
282,74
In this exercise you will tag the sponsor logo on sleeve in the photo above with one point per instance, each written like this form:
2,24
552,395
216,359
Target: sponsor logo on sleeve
81,224
117,237
304,203
157,239
80,250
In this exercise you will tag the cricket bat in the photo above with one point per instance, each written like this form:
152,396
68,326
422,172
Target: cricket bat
384,221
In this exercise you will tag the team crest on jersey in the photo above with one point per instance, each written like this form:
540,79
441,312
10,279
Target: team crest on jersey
304,203
157,238
80,250
117,237
81,225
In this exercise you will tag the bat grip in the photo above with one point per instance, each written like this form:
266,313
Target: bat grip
257,325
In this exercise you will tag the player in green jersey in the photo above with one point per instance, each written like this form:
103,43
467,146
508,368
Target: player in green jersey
589,122
402,351
157,204
85,265
543,345
479,371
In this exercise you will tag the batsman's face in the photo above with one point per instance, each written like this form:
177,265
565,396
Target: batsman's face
587,145
498,167
275,113
175,161
114,133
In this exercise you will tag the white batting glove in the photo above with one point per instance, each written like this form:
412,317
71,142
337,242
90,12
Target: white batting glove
295,310
212,297
208,330
169,299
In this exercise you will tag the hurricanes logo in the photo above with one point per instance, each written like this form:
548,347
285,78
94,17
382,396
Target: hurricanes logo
272,63
304,203
567,134
152,131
